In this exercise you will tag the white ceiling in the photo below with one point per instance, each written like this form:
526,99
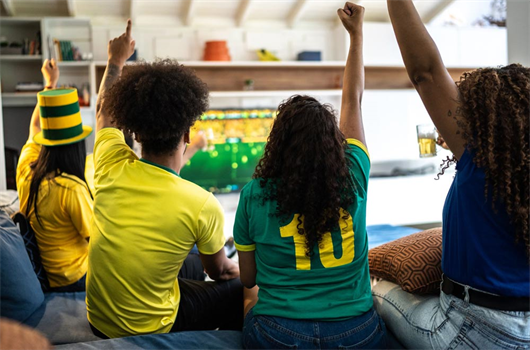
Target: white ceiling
215,12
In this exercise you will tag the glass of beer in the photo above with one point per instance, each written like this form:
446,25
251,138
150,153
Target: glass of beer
427,140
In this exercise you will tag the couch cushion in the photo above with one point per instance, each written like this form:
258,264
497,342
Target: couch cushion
413,262
180,340
62,319
20,291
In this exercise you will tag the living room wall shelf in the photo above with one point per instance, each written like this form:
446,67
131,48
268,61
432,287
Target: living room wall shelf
230,77
20,58
275,93
19,99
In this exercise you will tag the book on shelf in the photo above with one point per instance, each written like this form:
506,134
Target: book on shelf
65,51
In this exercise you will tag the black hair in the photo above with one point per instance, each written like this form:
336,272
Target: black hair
52,162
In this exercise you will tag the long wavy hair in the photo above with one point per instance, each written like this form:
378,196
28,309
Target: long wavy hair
52,162
304,168
494,121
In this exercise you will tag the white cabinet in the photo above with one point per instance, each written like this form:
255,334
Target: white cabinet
460,47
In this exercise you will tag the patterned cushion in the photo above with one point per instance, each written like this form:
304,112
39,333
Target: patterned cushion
413,262
30,241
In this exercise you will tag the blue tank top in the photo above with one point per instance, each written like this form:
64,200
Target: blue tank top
479,246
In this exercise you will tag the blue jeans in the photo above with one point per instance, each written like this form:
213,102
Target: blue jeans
267,332
79,286
446,322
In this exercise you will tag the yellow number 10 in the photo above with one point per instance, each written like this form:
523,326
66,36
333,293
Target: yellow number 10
327,257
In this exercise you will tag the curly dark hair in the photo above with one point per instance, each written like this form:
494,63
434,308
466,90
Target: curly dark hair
494,121
304,168
158,102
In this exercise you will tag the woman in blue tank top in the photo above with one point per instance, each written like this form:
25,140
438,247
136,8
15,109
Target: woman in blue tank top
484,119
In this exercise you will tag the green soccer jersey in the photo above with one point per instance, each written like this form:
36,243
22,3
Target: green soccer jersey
334,284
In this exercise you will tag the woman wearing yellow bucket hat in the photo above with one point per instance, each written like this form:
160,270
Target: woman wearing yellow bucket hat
51,184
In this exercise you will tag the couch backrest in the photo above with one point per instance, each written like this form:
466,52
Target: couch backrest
20,291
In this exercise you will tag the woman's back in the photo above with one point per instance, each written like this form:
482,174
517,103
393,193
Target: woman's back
64,210
333,283
479,248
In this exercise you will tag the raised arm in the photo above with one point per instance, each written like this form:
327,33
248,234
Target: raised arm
119,50
351,122
198,142
50,72
427,72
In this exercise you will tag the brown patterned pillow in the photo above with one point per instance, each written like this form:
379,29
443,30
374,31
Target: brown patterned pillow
413,262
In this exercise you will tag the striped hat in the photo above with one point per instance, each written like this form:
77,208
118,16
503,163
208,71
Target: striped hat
60,118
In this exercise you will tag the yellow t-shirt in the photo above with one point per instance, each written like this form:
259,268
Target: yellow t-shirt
65,210
146,220
89,172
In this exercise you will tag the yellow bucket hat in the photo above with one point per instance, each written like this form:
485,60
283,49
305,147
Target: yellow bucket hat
60,118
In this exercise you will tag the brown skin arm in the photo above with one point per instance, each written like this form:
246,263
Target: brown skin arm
19,336
219,267
351,123
119,50
50,72
427,72
247,266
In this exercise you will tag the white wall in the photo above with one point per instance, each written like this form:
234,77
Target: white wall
187,44
518,23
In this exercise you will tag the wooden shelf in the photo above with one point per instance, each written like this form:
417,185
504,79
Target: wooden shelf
21,58
229,77
275,93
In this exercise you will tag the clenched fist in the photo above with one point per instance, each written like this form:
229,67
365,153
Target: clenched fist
50,72
351,17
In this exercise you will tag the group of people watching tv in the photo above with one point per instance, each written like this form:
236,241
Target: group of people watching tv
141,240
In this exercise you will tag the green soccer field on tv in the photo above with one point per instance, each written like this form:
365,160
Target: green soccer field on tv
236,142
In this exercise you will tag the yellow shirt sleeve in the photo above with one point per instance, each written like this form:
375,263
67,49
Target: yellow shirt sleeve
210,235
80,207
30,152
110,149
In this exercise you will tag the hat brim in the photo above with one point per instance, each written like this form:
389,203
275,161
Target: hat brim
39,138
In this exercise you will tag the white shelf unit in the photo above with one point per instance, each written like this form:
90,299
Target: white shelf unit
252,64
19,99
17,106
21,58
62,64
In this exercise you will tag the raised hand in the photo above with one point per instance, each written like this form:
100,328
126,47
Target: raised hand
122,47
50,72
351,17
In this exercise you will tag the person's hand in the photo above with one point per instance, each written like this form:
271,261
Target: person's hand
50,72
122,47
441,142
19,336
199,140
351,17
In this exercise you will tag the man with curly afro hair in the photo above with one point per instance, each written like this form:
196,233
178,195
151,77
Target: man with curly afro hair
146,217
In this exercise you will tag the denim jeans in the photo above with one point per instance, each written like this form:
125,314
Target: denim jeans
447,322
267,332
79,286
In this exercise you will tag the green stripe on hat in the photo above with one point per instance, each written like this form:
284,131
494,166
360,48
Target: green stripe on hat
63,134
59,111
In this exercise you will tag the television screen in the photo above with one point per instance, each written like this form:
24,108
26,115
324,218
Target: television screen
236,141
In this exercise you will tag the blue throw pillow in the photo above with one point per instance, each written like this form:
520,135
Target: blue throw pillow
20,291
